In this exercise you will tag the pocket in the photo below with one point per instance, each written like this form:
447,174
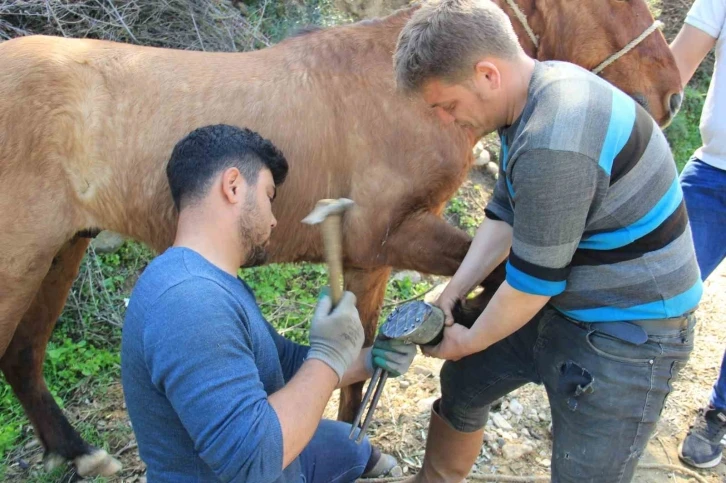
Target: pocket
620,351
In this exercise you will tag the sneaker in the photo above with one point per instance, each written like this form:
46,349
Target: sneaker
382,465
703,444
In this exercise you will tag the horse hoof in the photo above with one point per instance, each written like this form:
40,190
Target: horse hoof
98,463
52,461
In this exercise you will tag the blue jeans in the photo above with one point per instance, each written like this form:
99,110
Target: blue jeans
606,395
704,191
330,457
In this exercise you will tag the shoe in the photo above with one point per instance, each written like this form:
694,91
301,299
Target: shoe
703,444
450,454
383,465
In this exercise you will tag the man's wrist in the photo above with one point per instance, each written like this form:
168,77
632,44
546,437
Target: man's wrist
323,370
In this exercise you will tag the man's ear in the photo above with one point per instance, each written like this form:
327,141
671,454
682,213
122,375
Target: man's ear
233,185
487,76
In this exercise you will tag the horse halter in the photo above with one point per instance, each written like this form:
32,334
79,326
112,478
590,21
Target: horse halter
657,24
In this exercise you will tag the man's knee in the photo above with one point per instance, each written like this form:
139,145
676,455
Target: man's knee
458,405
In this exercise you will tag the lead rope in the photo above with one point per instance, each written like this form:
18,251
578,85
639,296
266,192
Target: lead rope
657,24
523,20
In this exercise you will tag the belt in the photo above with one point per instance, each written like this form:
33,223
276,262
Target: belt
637,331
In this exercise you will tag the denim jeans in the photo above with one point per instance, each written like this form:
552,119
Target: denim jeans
606,395
704,191
330,457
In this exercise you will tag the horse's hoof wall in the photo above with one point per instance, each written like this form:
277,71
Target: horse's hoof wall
98,463
52,461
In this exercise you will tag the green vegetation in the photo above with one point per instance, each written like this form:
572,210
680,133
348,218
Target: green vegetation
683,133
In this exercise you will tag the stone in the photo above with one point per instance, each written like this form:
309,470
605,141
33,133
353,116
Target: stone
514,451
396,472
500,422
483,159
532,414
544,416
412,275
505,405
525,432
478,148
422,371
32,444
516,407
489,437
107,242
424,405
492,168
403,384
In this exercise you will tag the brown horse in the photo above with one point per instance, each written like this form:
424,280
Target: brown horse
86,128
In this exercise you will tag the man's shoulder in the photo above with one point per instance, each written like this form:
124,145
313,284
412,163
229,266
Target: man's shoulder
572,110
174,287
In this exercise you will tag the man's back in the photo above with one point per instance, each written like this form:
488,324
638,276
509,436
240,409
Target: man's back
600,222
198,362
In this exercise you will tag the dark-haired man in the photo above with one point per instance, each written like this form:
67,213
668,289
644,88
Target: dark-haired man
213,392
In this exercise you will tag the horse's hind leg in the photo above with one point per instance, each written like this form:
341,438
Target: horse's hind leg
23,368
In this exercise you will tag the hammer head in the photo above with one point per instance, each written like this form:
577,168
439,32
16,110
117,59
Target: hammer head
327,207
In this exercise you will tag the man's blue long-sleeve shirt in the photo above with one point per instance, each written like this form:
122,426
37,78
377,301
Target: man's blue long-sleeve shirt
198,362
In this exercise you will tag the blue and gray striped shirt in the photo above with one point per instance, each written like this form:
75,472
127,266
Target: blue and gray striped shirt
589,185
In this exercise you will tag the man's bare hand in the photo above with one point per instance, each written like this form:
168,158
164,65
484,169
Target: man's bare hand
454,345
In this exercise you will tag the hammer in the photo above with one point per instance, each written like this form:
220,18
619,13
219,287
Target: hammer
329,212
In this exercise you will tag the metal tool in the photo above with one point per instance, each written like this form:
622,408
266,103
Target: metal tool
414,322
329,212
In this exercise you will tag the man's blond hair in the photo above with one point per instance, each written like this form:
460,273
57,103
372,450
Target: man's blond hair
444,39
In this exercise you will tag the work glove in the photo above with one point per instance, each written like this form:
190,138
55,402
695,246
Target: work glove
336,338
390,355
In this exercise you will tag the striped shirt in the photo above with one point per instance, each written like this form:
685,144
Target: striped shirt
589,186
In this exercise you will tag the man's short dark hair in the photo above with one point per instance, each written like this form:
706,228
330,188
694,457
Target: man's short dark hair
208,150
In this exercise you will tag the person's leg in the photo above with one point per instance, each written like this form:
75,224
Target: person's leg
606,396
704,192
331,457
468,387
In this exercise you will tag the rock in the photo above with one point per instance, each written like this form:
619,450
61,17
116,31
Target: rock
546,462
514,451
425,404
525,432
505,405
107,242
483,159
422,371
403,384
489,437
492,168
32,444
396,472
516,407
433,295
532,414
478,148
500,422
412,275
501,442
544,416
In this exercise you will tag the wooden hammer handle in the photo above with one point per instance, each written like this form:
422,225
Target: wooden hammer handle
334,255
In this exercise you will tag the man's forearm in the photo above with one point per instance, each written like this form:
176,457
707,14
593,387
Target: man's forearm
508,311
689,49
300,404
358,371
489,248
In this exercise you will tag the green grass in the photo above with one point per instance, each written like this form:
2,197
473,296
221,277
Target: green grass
683,134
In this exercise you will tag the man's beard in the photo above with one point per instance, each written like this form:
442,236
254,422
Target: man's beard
250,238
